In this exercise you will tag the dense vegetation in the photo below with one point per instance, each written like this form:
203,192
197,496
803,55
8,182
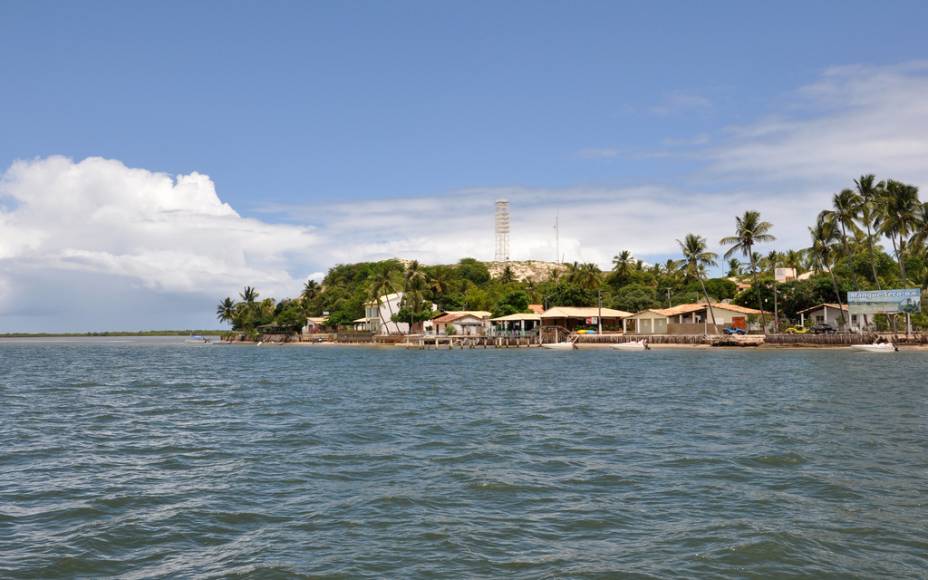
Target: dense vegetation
846,252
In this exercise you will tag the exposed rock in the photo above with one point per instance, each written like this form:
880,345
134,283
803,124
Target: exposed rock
534,270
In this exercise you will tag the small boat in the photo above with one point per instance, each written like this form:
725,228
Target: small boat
560,345
876,347
197,339
632,345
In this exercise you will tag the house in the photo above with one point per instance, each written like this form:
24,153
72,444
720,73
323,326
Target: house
462,322
831,314
536,308
315,325
578,317
378,315
517,325
693,318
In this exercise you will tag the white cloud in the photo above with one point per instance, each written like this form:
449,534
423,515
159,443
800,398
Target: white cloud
853,120
152,231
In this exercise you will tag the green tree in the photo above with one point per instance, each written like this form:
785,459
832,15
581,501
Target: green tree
512,302
382,285
824,238
249,295
734,267
634,298
696,259
869,192
750,230
225,311
898,210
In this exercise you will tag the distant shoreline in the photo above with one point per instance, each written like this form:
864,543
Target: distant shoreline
106,333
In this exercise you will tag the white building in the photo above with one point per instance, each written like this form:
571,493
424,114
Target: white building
463,322
831,314
378,315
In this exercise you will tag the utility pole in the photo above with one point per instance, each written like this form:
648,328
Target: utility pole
776,310
557,239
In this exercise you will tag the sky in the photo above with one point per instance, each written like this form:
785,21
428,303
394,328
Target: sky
156,157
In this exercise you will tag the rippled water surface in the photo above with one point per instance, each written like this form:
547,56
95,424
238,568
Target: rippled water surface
151,458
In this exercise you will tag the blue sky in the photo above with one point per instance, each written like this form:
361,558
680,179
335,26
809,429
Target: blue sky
311,116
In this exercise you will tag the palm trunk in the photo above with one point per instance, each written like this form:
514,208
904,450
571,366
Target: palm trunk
708,303
876,279
905,278
834,284
847,254
760,302
776,309
899,260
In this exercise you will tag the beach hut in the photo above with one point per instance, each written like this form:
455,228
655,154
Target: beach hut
831,314
517,325
462,322
575,318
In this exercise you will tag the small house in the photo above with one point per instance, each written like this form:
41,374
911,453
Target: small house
462,322
517,325
830,314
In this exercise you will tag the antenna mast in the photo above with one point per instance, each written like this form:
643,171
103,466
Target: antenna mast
502,230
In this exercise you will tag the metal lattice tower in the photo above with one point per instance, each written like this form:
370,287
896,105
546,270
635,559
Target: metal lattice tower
502,230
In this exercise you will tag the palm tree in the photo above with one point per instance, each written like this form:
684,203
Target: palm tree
696,258
899,208
794,259
225,311
920,233
439,285
750,230
846,207
734,268
415,283
382,285
249,295
870,194
310,290
622,263
824,239
587,276
773,260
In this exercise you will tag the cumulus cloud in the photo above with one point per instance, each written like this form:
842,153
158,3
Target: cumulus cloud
154,232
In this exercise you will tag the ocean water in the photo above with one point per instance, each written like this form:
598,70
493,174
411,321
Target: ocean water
148,458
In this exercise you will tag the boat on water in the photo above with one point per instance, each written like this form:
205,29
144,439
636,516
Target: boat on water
559,345
876,347
197,339
631,345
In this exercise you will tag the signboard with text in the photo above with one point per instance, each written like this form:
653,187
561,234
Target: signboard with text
907,300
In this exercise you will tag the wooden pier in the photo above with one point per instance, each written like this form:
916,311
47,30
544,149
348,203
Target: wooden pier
468,342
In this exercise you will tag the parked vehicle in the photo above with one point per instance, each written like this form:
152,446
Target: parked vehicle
823,328
731,330
797,330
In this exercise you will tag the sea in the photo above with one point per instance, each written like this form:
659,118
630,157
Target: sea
154,458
